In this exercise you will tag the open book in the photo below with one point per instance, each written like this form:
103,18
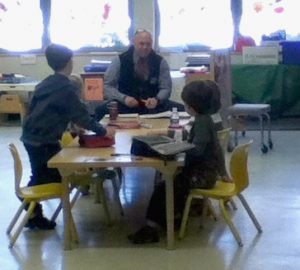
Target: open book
153,145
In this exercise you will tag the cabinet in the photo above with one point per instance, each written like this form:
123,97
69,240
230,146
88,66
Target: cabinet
14,98
12,104
199,76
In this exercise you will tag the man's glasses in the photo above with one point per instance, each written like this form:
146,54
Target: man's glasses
142,31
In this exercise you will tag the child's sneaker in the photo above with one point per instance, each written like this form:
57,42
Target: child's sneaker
41,223
144,235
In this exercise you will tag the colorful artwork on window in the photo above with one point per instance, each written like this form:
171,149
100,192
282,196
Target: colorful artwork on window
266,17
195,22
100,23
21,25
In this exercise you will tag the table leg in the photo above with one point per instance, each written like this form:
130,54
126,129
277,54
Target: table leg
70,233
168,173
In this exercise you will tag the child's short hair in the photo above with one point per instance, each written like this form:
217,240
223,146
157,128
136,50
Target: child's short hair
78,83
58,56
202,96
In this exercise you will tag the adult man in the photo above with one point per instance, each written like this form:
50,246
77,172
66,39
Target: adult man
139,80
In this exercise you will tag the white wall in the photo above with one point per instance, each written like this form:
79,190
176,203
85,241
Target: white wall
40,70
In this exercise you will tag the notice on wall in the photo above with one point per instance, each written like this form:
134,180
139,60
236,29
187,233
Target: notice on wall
27,59
260,55
93,89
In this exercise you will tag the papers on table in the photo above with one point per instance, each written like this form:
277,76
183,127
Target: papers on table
166,114
125,115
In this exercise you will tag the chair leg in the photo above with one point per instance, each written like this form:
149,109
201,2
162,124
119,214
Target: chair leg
97,192
116,190
185,216
55,214
210,210
230,223
75,197
250,213
22,224
99,185
59,207
119,173
232,203
15,218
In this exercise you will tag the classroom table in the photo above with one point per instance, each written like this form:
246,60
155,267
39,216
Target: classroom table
73,158
277,85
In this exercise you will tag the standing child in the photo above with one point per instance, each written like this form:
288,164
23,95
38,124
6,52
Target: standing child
202,165
54,104
77,81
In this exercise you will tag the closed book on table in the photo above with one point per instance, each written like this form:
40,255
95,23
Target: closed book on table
94,141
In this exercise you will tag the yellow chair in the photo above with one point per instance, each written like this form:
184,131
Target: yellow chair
224,137
29,195
86,176
224,191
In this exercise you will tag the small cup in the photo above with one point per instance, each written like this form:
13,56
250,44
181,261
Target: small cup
113,110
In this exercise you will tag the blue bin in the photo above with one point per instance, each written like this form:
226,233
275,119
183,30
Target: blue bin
290,52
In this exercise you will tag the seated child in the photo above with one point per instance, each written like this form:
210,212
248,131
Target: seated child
202,166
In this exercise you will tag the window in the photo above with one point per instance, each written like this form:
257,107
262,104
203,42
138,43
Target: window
195,23
21,25
265,17
86,25
93,23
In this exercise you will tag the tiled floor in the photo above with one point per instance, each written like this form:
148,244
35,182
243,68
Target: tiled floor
273,195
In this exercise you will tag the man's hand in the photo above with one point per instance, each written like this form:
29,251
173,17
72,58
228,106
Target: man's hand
110,132
131,102
151,103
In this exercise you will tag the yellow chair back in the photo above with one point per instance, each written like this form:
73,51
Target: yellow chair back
18,169
238,166
226,190
66,139
223,136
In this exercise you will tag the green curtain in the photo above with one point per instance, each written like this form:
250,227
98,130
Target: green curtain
277,85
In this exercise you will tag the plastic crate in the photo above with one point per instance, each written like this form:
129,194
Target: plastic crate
291,52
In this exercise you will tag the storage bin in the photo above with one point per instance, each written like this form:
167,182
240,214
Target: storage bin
291,52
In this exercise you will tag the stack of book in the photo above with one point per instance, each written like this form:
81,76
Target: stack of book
197,63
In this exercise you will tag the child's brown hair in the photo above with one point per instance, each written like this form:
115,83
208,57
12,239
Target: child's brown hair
202,96
78,82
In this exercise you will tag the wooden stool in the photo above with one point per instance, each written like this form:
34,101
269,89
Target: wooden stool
12,104
256,110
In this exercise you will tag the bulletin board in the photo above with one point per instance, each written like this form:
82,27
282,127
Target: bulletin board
93,87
